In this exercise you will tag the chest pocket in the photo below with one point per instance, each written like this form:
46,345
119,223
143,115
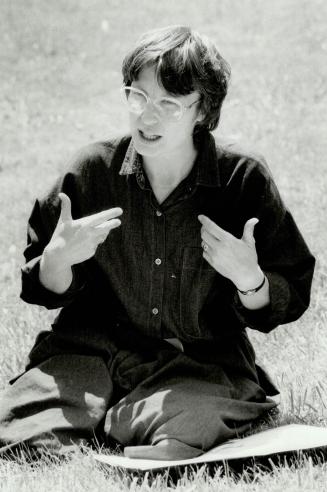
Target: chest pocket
197,280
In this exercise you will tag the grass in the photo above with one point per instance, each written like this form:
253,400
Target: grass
82,473
61,74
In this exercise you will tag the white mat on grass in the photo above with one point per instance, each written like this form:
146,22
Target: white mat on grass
292,437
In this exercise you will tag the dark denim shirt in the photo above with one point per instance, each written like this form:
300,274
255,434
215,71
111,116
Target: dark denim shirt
150,273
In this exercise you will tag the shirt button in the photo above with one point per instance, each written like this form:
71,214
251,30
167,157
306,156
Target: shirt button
155,311
157,261
158,213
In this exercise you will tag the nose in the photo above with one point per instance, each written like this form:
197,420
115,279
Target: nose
149,115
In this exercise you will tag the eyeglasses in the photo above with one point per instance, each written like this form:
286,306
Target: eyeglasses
167,107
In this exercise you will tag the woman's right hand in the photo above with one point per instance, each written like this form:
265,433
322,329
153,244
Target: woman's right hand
72,242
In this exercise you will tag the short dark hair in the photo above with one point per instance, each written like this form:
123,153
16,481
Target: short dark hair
185,62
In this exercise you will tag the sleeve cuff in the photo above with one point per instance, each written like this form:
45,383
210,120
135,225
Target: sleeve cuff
34,292
270,316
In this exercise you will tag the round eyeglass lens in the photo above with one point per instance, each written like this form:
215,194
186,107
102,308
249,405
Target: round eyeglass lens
136,101
166,107
170,109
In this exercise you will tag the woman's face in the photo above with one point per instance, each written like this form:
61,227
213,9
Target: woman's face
153,135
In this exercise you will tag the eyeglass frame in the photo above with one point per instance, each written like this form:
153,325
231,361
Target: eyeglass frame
183,107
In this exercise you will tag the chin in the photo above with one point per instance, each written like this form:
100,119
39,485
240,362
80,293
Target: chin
145,148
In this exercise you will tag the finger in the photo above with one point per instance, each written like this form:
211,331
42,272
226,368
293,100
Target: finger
107,226
100,217
209,239
213,228
248,232
101,239
204,246
101,232
207,257
66,208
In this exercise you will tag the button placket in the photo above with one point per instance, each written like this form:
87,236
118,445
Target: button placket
157,273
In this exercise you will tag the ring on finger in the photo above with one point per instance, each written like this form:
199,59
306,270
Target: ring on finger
204,246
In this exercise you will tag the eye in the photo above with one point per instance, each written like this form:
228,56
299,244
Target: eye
168,103
169,106
136,97
136,100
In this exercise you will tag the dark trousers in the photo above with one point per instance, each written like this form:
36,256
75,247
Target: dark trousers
156,401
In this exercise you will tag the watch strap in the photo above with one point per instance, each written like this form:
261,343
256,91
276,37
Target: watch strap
250,292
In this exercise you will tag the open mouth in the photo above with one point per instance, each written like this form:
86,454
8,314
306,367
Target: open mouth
147,137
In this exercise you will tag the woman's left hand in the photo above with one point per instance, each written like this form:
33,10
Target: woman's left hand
235,259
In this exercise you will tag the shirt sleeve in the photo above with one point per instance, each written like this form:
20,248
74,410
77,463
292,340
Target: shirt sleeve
283,254
41,225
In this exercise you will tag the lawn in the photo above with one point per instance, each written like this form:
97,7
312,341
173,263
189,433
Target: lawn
60,78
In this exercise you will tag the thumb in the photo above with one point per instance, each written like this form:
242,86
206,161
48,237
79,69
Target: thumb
248,231
66,208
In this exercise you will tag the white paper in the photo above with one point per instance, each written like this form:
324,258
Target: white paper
292,437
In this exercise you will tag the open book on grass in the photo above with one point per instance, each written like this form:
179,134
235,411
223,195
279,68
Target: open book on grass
287,438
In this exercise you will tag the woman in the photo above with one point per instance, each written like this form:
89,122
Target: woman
161,248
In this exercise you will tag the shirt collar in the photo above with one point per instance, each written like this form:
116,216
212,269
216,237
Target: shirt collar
206,166
207,161
132,162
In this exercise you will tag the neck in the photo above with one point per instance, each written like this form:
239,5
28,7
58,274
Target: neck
169,170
